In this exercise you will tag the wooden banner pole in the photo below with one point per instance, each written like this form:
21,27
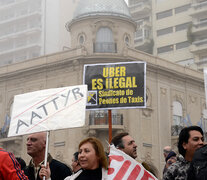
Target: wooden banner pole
110,125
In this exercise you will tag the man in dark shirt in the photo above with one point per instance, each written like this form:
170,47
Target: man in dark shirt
36,144
190,139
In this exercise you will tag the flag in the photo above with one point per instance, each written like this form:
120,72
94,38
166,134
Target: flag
123,167
6,124
187,121
200,124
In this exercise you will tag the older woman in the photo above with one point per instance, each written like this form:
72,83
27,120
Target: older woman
92,160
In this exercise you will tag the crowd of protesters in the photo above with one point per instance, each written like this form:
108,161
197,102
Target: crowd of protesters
91,162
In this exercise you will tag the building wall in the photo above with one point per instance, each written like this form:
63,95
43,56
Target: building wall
183,46
33,28
150,127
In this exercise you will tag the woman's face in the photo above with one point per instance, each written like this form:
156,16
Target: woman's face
87,157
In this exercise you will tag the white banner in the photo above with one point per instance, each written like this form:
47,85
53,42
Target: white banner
48,109
123,167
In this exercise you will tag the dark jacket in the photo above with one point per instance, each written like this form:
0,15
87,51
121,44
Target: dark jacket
198,167
59,171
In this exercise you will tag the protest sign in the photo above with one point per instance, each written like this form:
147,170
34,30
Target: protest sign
49,109
116,85
122,166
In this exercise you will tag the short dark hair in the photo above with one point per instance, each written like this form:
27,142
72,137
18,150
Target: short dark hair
75,155
184,136
117,140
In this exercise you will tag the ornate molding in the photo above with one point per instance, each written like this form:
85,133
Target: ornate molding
163,91
147,112
192,99
59,155
92,132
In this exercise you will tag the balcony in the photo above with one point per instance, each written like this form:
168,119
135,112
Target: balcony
198,9
143,41
199,46
10,3
199,28
99,121
17,49
14,34
144,24
201,64
18,17
105,47
140,9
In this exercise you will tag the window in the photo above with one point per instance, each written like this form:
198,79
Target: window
181,27
165,49
164,14
81,39
126,40
104,41
182,45
177,123
164,31
20,42
21,57
182,8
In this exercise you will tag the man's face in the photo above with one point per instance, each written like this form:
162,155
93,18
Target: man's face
195,141
130,147
35,144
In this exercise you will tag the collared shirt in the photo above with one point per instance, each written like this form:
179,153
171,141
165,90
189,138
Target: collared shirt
178,170
36,168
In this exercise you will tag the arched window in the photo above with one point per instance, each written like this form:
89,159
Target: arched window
177,123
126,40
104,41
81,39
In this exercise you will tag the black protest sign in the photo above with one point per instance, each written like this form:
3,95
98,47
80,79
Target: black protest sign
116,85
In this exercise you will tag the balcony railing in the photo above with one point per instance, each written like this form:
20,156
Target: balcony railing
200,24
200,42
175,130
139,6
3,133
102,119
105,47
200,5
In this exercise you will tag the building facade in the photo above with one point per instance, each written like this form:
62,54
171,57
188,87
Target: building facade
28,28
103,32
172,29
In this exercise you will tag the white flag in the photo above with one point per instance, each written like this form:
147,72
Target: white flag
123,167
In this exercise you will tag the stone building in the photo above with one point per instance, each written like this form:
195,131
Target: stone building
103,32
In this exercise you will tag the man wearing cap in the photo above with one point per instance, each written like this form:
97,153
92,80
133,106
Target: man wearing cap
170,159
